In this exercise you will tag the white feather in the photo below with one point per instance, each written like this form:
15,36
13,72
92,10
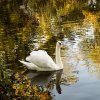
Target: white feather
29,65
41,61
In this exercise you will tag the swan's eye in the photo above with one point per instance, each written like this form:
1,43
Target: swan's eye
59,43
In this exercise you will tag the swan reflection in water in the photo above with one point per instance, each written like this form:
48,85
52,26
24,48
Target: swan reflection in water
43,78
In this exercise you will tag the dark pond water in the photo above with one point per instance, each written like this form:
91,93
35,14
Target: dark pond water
32,25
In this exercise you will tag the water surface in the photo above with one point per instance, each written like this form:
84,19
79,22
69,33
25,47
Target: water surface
23,29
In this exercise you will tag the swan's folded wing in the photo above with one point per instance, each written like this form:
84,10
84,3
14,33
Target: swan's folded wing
29,65
41,59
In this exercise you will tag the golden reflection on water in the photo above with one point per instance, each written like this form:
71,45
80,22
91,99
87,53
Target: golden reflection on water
84,46
39,85
25,87
52,21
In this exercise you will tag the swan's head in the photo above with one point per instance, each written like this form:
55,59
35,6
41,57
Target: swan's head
59,44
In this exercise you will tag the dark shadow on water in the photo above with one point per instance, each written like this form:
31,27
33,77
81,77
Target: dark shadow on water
39,78
44,77
58,77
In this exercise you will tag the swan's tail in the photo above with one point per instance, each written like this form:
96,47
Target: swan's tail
29,65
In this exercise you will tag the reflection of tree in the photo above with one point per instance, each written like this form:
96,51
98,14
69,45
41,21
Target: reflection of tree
91,41
28,85
14,31
91,44
33,85
58,12
41,22
95,54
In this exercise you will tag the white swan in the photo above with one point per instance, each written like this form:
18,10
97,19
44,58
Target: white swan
41,61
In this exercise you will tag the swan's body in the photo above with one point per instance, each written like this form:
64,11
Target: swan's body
41,61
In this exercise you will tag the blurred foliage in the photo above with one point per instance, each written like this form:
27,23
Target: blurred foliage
26,25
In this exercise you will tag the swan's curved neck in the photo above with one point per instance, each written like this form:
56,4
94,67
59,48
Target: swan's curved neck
58,57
